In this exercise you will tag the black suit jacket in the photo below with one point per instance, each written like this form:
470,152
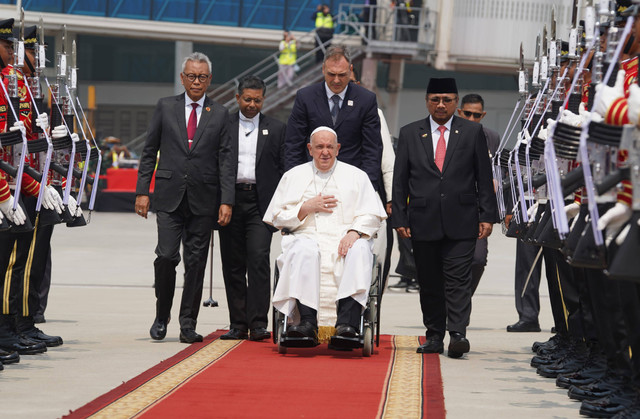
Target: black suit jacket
357,126
448,204
205,172
269,156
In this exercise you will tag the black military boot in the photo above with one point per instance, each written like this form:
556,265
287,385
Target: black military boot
27,328
10,341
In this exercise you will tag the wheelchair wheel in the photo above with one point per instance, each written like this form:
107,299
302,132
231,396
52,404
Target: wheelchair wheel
280,328
367,348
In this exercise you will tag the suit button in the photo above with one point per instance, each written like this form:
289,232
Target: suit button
441,195
185,177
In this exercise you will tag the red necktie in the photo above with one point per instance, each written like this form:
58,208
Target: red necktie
441,148
193,123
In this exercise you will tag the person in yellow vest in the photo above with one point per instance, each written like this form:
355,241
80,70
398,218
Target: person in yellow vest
287,60
324,28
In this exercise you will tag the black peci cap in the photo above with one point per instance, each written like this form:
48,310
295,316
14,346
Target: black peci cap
442,85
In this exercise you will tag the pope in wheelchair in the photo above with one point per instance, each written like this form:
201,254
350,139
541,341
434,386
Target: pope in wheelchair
329,214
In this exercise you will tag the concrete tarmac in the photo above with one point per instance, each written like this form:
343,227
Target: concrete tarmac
102,303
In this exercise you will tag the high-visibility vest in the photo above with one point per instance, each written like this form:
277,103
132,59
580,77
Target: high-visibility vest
288,53
323,21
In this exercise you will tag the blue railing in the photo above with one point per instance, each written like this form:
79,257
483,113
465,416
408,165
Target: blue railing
265,14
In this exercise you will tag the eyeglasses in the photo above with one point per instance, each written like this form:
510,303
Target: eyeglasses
476,115
446,100
201,77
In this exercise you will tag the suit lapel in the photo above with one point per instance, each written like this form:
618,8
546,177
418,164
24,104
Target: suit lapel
182,123
263,126
322,104
347,105
454,139
424,132
205,117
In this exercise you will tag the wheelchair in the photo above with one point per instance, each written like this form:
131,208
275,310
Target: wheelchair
369,332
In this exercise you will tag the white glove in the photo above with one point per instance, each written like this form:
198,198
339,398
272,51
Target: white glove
572,210
571,118
531,212
606,95
18,125
524,136
623,234
613,220
75,138
543,133
74,208
43,122
633,101
51,200
17,217
59,132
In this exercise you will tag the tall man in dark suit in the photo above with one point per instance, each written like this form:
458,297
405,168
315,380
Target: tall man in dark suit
195,180
351,110
443,200
258,141
472,108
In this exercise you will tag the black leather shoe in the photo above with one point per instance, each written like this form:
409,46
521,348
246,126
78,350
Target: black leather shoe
22,346
158,329
38,335
458,345
189,336
234,334
606,386
402,284
608,406
522,326
302,330
346,331
433,345
9,357
259,333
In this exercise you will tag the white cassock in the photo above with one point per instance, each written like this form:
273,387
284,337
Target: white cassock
311,270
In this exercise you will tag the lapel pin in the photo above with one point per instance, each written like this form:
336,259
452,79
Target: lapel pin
208,109
425,135
456,131
265,132
349,102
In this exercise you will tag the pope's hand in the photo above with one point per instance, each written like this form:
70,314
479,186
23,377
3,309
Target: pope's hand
346,242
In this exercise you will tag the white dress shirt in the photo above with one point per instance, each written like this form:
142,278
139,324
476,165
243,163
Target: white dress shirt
247,147
435,133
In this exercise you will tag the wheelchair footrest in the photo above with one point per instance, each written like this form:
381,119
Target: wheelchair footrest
340,342
298,342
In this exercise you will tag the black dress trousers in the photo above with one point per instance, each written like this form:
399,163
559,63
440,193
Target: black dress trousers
244,248
194,232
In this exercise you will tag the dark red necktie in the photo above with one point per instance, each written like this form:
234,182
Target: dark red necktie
193,123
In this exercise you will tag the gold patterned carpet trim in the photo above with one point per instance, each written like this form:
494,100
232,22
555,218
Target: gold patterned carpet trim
404,392
152,391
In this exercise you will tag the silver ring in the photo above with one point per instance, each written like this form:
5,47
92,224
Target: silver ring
326,205
139,211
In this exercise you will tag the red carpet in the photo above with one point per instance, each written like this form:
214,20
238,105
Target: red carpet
242,379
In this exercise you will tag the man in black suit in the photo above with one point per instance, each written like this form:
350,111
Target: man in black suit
472,108
443,170
195,180
351,110
258,141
